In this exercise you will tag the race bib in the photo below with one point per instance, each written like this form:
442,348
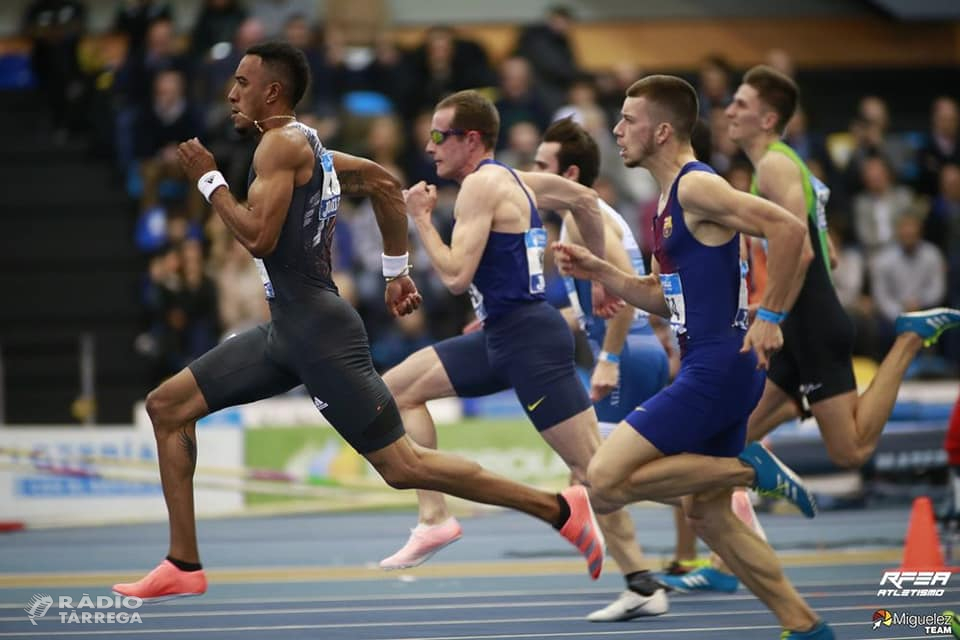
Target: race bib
822,194
673,294
476,299
571,287
329,196
264,278
536,241
742,318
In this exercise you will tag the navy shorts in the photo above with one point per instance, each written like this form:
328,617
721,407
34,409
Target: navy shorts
644,370
705,410
529,350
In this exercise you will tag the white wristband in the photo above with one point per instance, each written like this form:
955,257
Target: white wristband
393,266
210,182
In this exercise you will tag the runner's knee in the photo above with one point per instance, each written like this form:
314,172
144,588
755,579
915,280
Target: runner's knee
602,483
402,468
161,405
174,403
709,517
848,456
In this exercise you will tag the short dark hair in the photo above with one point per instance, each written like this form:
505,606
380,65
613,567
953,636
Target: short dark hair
577,147
675,95
776,90
701,140
473,112
288,63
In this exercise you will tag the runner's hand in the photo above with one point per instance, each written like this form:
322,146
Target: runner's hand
195,159
420,199
576,261
474,325
606,376
765,338
605,304
402,297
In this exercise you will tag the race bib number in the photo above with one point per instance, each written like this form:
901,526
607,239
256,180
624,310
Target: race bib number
476,299
673,293
822,193
742,315
571,287
329,196
536,241
264,278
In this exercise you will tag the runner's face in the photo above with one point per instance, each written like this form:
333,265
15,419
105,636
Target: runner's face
252,87
744,115
634,132
452,152
546,159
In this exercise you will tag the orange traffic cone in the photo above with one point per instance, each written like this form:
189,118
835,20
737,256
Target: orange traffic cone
921,549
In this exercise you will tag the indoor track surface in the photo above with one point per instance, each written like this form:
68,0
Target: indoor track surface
315,576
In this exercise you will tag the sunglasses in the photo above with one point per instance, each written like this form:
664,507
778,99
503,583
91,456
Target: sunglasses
439,137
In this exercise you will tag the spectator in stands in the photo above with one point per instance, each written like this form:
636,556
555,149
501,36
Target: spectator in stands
849,280
943,229
443,64
879,206
300,33
522,140
582,103
384,144
161,285
55,28
907,276
198,300
942,145
417,164
849,274
713,86
612,85
215,74
134,18
723,150
548,48
943,223
217,24
171,120
400,339
135,85
380,70
871,135
782,61
241,301
519,100
274,14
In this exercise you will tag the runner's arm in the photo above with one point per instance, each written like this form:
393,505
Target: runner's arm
362,177
558,193
789,253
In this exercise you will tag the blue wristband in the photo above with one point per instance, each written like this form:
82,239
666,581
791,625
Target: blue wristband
609,357
771,316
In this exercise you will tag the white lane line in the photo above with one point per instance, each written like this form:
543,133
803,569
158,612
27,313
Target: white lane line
297,627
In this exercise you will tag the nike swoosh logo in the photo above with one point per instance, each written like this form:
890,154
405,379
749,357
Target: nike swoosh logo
531,407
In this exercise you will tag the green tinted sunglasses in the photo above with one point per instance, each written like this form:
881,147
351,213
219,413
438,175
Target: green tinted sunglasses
439,137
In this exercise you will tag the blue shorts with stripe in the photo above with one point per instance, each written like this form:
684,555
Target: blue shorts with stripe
644,370
705,410
529,350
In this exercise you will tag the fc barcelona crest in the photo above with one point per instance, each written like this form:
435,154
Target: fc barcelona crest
667,226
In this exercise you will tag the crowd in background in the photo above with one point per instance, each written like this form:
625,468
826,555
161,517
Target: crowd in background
894,212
